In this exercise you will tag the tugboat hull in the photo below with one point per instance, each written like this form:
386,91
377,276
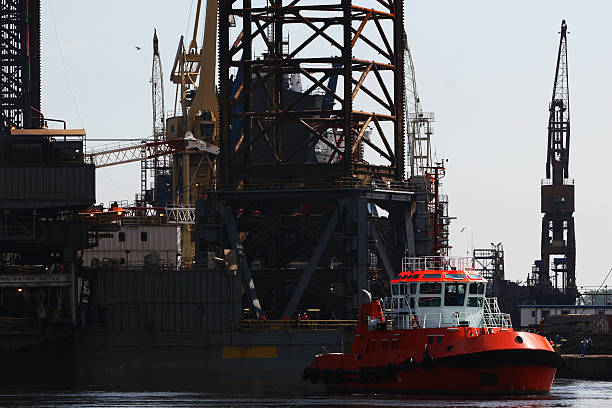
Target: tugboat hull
459,360
438,334
516,380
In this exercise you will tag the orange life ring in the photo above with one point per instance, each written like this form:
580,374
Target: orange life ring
415,322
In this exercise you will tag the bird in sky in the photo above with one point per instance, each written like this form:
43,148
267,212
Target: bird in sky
138,48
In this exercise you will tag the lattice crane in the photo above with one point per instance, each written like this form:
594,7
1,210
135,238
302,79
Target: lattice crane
122,153
193,73
420,129
419,123
159,165
558,246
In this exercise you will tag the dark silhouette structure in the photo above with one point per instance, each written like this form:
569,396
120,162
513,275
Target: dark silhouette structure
555,273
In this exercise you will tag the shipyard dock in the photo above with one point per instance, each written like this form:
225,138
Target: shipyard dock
591,367
289,180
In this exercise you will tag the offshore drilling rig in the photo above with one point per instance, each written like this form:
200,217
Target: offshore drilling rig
312,139
297,170
555,273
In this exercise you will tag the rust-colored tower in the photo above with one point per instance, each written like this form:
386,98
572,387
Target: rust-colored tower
556,270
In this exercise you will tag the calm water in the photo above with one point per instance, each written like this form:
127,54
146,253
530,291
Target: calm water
565,393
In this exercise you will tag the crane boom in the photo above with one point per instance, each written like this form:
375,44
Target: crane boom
419,124
205,99
136,152
557,161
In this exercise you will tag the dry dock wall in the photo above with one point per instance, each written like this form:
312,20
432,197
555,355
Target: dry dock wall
592,367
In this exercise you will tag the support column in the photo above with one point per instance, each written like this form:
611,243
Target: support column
312,264
245,271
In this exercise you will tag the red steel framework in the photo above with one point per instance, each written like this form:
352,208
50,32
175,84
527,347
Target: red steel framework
360,42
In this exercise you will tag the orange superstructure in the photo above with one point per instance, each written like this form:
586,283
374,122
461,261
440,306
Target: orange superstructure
438,333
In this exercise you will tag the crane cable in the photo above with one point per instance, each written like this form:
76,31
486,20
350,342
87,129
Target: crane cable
61,54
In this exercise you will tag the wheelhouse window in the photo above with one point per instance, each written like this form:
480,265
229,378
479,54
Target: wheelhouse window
474,302
398,303
431,288
430,301
454,294
477,288
432,275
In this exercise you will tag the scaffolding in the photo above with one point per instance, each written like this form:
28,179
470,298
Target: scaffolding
20,70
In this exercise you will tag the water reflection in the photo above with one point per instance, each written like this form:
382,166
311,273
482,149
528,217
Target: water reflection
565,393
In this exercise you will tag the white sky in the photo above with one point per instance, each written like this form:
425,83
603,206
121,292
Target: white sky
485,68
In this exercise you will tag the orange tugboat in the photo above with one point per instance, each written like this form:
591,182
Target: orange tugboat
438,333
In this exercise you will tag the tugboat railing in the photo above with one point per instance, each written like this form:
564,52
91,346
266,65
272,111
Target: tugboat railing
437,263
405,318
493,316
435,320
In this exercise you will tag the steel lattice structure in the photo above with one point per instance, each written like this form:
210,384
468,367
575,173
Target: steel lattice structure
312,139
357,43
121,153
419,123
19,64
558,246
151,170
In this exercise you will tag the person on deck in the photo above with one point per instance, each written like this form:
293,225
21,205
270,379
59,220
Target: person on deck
589,345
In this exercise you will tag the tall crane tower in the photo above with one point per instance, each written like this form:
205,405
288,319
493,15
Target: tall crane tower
419,123
557,268
158,168
193,73
431,213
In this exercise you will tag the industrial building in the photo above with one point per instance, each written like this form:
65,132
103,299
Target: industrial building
534,315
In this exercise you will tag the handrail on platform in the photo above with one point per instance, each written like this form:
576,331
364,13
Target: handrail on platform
314,325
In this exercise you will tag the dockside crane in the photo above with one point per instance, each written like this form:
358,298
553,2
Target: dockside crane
158,169
432,206
185,145
140,151
558,245
193,73
419,123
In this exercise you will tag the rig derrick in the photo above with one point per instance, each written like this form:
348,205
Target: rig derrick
298,197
